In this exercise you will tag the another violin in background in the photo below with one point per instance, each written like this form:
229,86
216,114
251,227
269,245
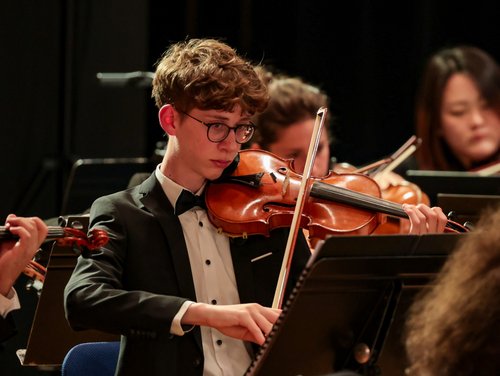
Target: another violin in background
394,188
73,237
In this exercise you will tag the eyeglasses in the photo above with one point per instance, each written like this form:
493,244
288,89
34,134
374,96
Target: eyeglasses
218,132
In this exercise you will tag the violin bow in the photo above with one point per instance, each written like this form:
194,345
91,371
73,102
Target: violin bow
299,207
373,165
400,155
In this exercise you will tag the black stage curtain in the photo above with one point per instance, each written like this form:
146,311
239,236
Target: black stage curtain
367,55
53,108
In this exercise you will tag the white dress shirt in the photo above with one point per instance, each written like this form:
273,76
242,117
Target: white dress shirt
9,303
214,283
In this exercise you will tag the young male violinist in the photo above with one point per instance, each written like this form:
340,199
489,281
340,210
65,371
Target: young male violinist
186,299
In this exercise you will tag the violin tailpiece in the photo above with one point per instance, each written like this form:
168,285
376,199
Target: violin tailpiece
251,180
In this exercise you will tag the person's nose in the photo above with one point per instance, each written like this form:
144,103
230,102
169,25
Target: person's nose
229,143
477,117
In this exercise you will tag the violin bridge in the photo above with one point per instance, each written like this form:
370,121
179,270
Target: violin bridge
244,235
286,183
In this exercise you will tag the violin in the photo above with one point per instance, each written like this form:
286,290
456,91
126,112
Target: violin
264,190
404,192
397,190
394,188
64,236
261,194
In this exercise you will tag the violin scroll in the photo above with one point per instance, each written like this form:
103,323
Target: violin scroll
81,243
75,238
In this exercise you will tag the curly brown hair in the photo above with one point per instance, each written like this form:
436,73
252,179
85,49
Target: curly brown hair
207,74
453,327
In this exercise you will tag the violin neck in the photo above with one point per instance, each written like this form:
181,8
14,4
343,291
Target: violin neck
54,232
341,195
363,201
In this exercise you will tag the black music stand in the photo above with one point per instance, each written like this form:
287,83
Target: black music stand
92,178
51,337
351,298
466,208
457,182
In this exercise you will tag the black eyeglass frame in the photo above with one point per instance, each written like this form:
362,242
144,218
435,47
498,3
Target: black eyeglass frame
227,127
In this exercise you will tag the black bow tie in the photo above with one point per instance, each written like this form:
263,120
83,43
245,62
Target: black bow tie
188,200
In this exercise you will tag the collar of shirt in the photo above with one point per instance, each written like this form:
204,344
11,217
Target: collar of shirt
171,188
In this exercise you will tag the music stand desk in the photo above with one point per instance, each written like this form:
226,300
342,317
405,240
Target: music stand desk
346,300
466,208
456,182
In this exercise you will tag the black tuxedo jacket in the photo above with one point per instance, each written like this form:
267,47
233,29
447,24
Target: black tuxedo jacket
136,284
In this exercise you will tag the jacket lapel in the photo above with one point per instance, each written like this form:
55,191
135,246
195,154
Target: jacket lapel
157,203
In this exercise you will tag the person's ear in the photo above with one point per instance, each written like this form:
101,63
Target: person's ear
166,116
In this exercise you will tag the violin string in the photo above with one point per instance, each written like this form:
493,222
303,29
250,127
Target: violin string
55,232
324,190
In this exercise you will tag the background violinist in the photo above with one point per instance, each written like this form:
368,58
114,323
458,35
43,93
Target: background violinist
285,127
458,110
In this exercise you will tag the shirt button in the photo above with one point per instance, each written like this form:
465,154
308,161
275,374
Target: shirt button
200,223
219,342
214,302
208,262
197,362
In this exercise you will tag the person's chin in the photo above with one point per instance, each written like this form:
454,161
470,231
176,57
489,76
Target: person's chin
214,173
484,151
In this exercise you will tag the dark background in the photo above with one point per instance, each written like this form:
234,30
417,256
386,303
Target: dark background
367,55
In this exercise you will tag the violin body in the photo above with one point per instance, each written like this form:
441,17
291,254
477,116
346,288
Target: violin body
399,191
262,192
403,192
